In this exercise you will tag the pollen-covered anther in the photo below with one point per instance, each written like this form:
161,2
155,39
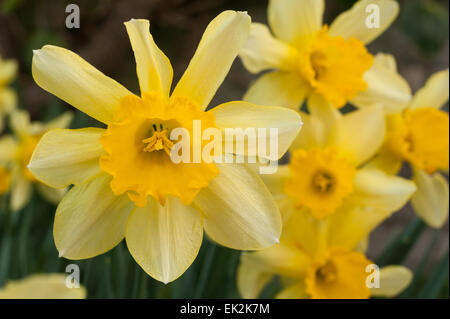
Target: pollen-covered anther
157,142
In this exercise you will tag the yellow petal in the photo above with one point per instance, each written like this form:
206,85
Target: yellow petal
360,134
434,93
8,100
278,89
431,199
351,224
223,39
41,286
285,259
69,77
90,220
380,190
63,157
52,195
19,121
153,67
352,23
324,112
393,280
293,291
252,277
164,240
244,115
8,69
292,20
262,51
238,210
20,192
275,182
312,135
384,87
385,161
8,148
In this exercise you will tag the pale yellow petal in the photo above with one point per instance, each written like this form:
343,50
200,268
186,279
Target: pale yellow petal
327,114
431,201
293,291
280,125
63,156
352,23
393,280
275,182
69,77
8,70
360,134
52,195
384,87
385,161
8,100
153,67
223,39
262,51
238,210
21,191
278,89
312,135
42,286
434,93
20,124
293,21
377,189
90,220
252,277
351,224
8,148
164,240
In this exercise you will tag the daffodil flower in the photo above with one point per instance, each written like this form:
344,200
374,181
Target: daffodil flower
419,135
5,180
326,172
322,260
15,153
125,184
306,58
41,286
8,98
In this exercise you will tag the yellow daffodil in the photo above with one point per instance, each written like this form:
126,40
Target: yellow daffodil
326,170
15,153
329,203
125,184
8,98
321,260
41,286
307,58
419,135
5,180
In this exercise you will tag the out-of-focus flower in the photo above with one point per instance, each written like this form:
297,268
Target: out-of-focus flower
329,204
125,182
326,170
419,135
16,151
320,259
41,286
308,59
8,98
5,180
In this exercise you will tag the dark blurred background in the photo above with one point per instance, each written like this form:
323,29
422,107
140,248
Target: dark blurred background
419,40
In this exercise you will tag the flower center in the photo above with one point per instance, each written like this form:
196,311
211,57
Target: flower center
327,273
420,136
159,140
334,67
138,149
320,180
338,273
